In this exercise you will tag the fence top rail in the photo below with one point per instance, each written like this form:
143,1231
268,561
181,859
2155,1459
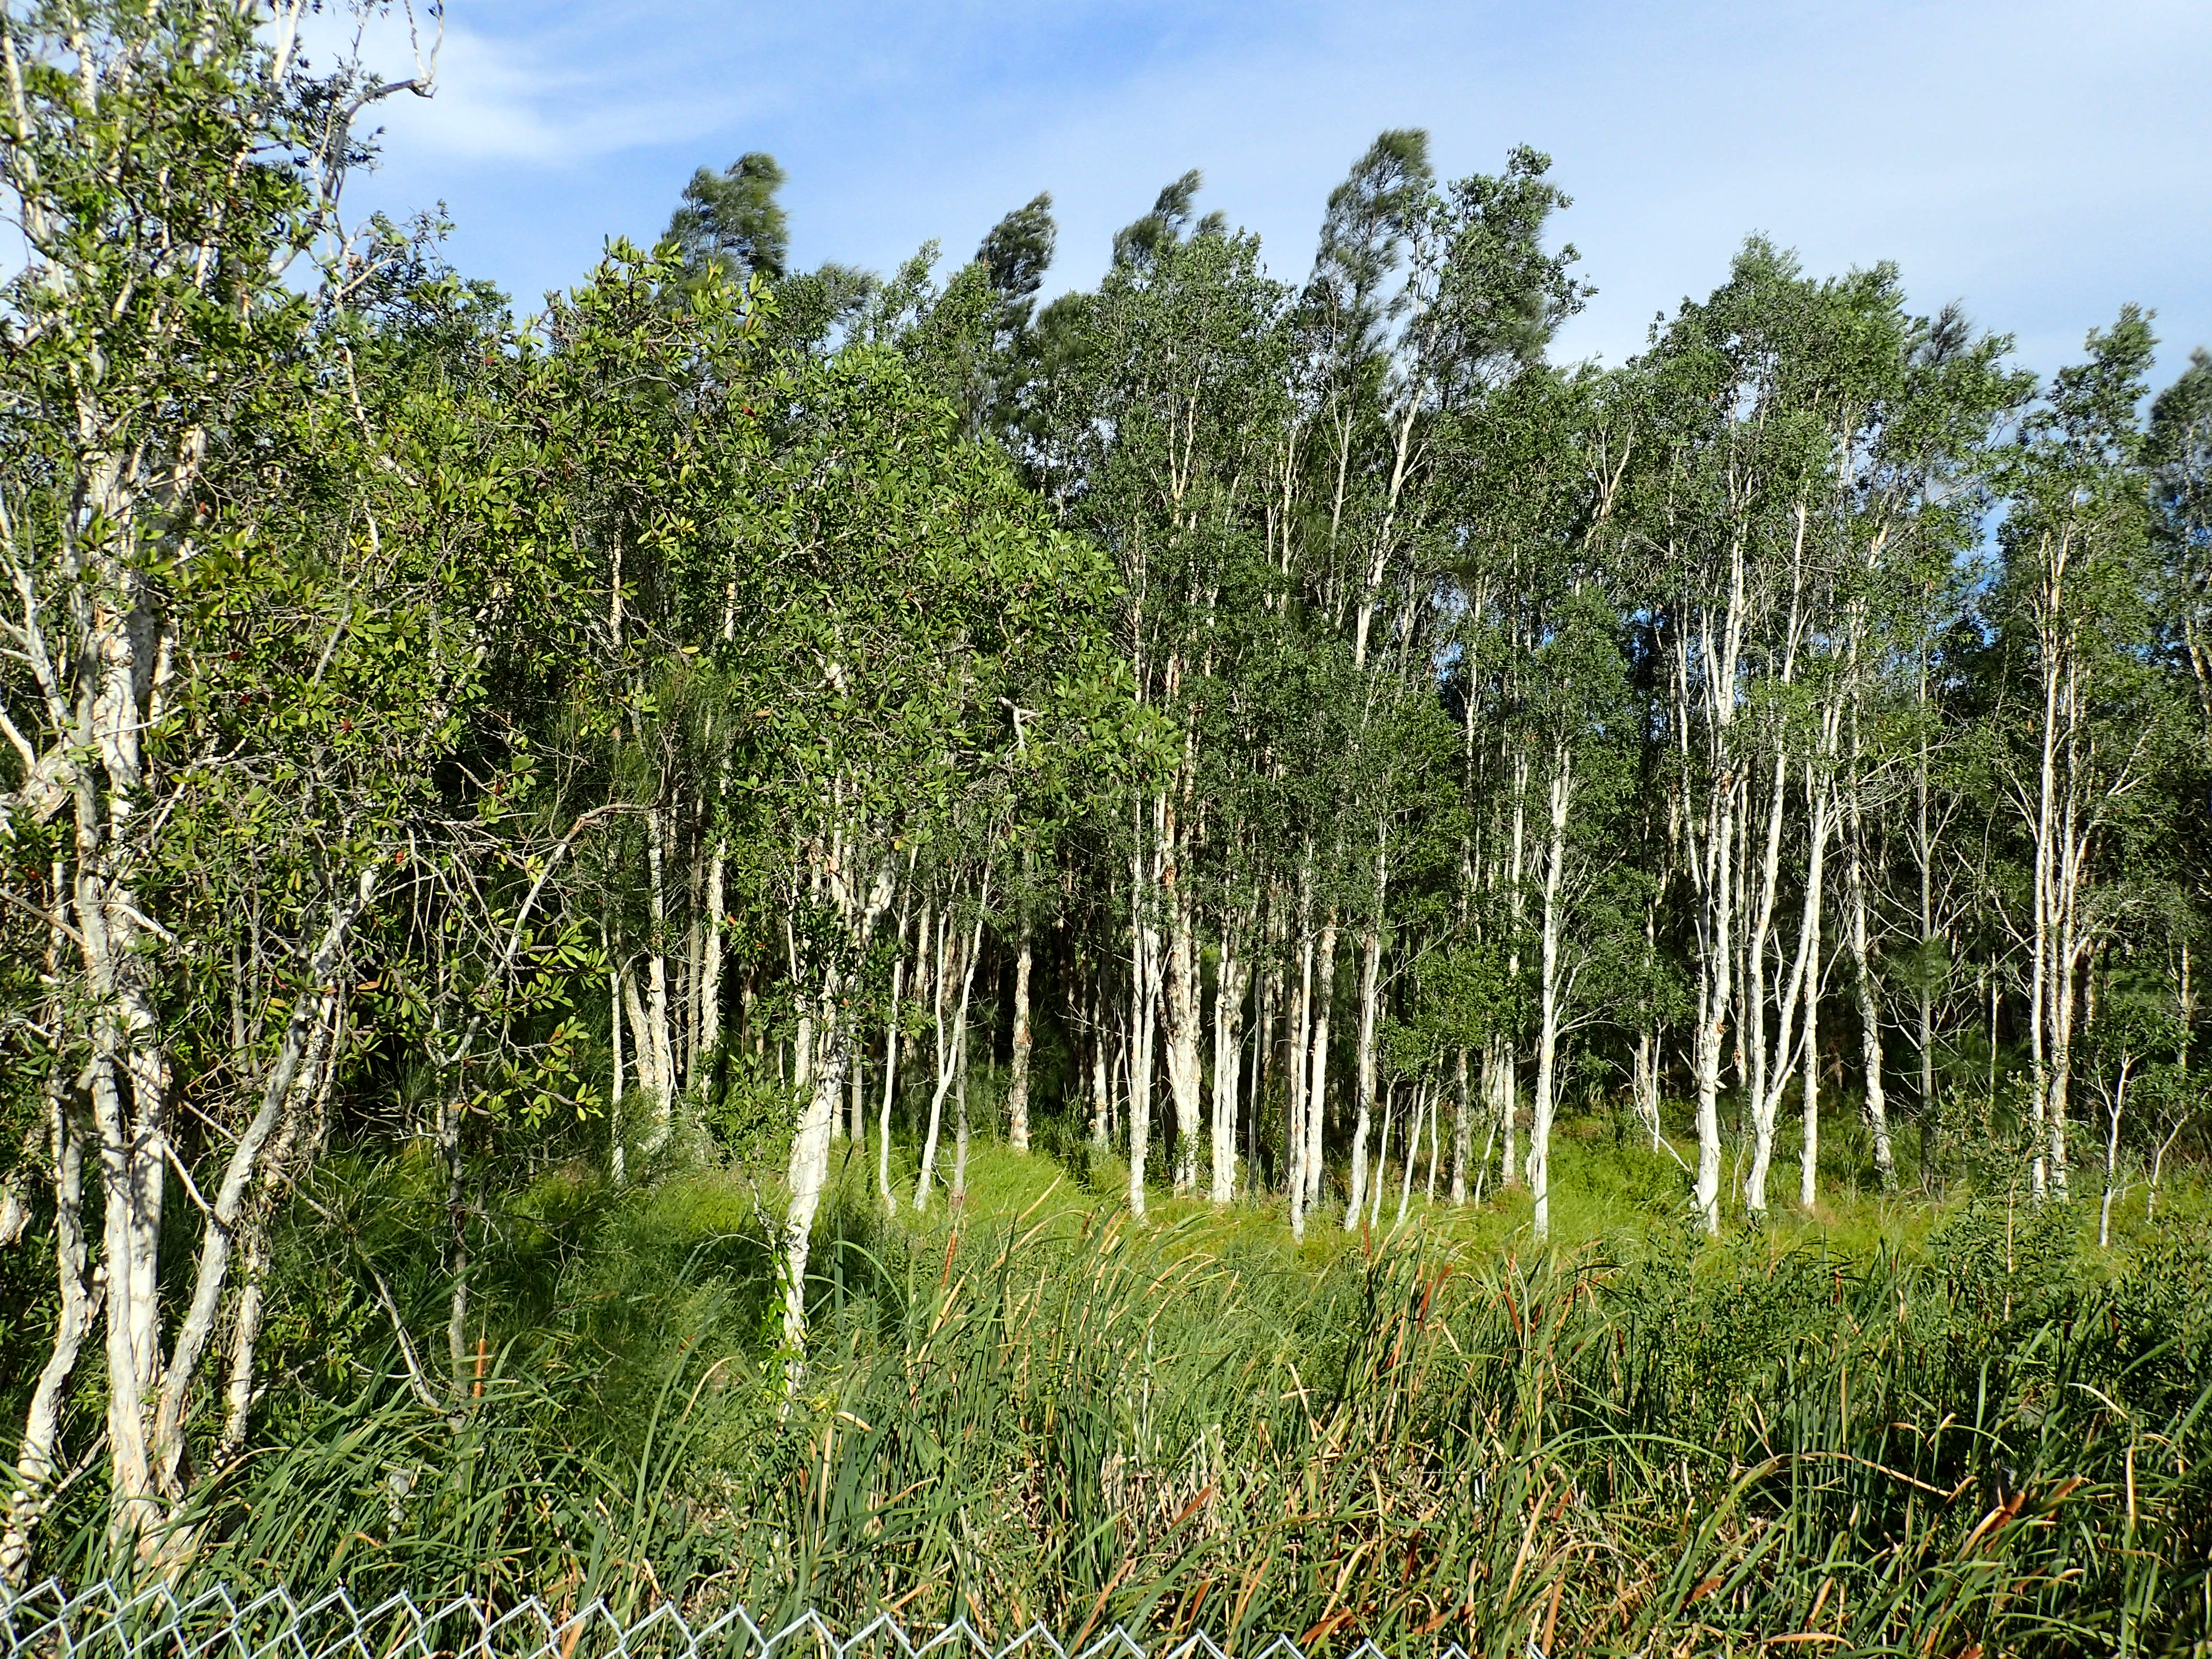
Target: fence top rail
93,1621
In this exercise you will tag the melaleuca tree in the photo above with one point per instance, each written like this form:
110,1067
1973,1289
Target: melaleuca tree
240,647
2181,484
1426,304
1162,416
1913,408
2084,713
903,713
1737,453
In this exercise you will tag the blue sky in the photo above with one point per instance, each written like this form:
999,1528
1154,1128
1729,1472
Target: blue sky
2041,162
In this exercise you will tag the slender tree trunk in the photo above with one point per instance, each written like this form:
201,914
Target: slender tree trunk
2116,1104
1506,1074
302,1133
1371,969
2064,992
1503,1088
1102,1083
708,1014
292,1082
950,1050
2041,1015
809,1168
1266,1001
1548,994
959,1193
1462,1135
1436,1150
1017,1087
1182,1006
1644,1084
617,1148
1808,1154
1644,1087
890,1077
1296,1147
1489,1139
1714,988
656,1011
1317,1087
1143,992
1231,980
1859,931
453,1147
1373,1207
829,1021
80,1292
940,1068
648,1080
1779,1065
1413,1153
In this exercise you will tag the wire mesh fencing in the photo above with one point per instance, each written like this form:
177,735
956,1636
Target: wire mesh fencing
107,1621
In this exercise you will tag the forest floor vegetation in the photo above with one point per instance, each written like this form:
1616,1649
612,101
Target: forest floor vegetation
1890,1426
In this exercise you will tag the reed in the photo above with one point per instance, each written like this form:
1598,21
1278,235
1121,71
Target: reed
1994,1440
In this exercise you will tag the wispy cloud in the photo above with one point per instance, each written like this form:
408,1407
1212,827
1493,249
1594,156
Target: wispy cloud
504,102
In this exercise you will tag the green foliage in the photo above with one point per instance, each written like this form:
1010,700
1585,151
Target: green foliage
732,219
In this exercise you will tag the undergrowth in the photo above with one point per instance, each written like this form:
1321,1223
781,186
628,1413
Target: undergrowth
1974,1431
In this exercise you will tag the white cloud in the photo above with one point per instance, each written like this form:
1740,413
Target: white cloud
509,101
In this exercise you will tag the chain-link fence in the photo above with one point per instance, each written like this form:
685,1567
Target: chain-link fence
50,1622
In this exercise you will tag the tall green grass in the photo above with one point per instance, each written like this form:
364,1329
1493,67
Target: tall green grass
1989,1437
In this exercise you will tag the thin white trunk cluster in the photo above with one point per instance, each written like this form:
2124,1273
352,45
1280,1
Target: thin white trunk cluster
91,629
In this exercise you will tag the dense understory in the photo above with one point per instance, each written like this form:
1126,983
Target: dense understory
1892,1429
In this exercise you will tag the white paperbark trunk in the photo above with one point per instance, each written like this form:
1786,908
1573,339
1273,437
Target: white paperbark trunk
643,1054
1102,1083
1413,1155
1371,1212
1186,1077
1644,1084
1505,1075
1549,990
890,1079
708,1014
1714,988
1780,1063
828,1029
949,1042
958,1194
1317,1080
1808,1152
1017,1087
1298,1071
2115,1105
1463,1133
810,1170
1144,1004
1370,972
1231,980
617,1148
80,1288
1859,933
656,1010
